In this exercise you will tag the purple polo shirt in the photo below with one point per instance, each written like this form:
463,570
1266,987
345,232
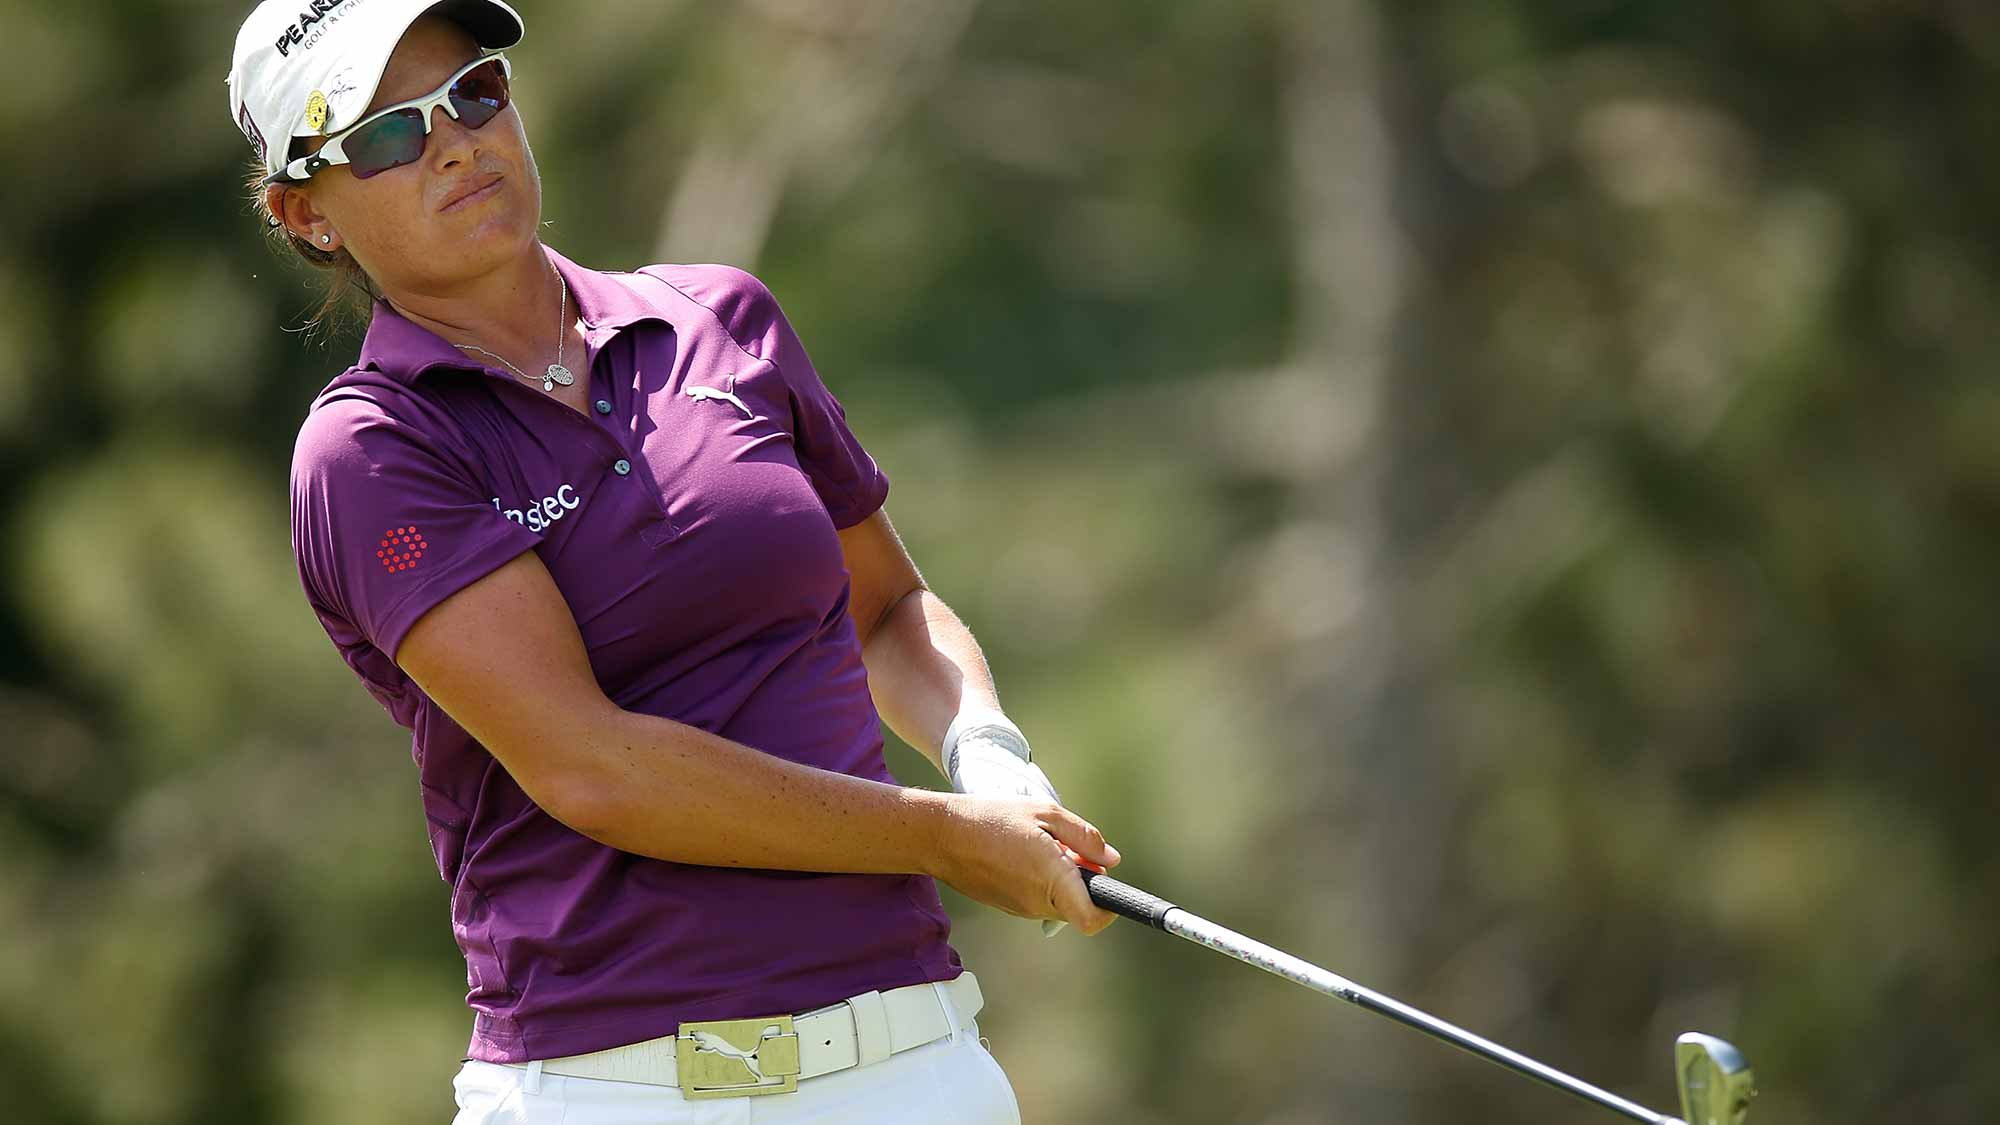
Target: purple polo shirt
693,537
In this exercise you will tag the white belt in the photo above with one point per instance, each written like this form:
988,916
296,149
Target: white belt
771,1054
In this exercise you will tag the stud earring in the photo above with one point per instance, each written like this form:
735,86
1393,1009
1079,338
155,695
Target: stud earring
326,239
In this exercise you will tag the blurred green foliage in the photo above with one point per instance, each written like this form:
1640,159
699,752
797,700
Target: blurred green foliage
1498,499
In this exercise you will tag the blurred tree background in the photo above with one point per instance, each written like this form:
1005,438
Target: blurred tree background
1499,499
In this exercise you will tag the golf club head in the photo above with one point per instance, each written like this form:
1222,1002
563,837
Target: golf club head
1715,1080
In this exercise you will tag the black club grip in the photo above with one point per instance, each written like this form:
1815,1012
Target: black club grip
1127,900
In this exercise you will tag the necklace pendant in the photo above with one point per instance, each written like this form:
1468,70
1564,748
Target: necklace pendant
557,373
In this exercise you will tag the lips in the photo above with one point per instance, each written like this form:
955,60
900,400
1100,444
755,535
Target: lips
471,191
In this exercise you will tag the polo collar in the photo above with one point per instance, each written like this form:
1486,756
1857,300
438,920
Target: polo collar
403,349
605,303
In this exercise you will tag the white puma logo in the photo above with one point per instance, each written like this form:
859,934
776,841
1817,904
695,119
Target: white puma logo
711,392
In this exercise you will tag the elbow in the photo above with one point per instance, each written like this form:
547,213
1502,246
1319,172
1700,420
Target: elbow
582,805
567,776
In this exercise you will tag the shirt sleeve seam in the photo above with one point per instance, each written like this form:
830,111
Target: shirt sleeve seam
717,317
478,566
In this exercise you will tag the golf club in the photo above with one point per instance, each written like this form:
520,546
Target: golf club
1715,1082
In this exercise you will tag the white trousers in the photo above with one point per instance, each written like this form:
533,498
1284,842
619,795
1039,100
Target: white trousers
953,1080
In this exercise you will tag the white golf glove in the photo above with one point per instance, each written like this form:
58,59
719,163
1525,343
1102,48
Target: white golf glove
987,755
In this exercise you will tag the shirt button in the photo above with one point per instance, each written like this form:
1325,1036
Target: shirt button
622,467
603,407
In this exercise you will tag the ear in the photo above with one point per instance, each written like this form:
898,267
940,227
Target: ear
293,205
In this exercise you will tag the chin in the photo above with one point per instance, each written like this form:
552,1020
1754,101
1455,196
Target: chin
496,240
509,221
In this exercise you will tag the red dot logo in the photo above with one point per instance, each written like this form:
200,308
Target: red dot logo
400,548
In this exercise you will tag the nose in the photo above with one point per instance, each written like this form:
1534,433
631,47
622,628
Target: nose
449,138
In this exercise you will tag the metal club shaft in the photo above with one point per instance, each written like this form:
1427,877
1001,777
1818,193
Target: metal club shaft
1130,902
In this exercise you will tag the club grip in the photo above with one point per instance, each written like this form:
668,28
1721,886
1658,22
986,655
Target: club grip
1127,900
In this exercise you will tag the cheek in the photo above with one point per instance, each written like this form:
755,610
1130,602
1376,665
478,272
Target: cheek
524,158
381,219
524,195
397,212
528,158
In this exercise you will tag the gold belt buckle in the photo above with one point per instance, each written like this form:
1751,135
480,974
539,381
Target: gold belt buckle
737,1058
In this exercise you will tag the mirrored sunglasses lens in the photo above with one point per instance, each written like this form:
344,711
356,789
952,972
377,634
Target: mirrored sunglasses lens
480,94
389,142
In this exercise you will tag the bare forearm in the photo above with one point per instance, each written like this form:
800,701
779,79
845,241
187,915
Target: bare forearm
659,788
923,665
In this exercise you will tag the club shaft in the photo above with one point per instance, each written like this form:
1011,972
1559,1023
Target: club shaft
1112,895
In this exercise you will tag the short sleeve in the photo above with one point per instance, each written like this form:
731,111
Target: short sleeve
385,525
847,479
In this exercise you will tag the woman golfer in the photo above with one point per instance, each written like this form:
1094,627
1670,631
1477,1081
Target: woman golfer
606,545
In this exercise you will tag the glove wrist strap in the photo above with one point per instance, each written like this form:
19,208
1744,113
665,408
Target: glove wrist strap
987,725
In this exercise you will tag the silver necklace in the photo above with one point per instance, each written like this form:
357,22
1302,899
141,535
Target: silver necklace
556,373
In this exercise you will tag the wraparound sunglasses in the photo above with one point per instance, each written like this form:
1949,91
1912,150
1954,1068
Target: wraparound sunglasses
396,135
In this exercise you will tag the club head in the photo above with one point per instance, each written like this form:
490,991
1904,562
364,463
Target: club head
1715,1080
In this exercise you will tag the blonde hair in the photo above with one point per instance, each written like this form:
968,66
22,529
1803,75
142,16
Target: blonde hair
349,290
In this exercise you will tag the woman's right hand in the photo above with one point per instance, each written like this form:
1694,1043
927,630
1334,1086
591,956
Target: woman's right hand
1008,852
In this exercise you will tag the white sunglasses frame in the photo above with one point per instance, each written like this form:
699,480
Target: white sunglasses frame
331,153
